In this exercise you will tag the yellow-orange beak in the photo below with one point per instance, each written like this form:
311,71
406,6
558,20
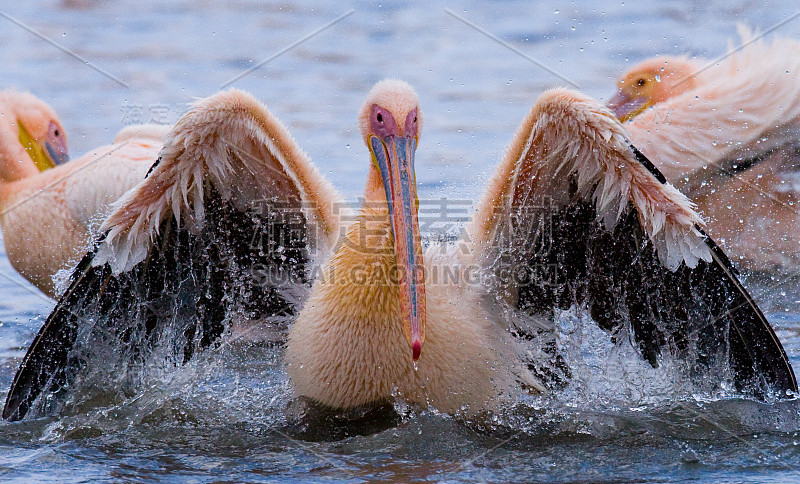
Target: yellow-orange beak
394,156
625,107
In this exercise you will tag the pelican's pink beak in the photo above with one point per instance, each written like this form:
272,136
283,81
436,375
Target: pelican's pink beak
626,107
394,156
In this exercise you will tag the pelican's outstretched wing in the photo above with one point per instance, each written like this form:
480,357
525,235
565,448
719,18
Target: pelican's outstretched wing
226,224
575,215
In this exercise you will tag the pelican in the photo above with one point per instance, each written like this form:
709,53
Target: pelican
235,223
33,138
727,133
49,208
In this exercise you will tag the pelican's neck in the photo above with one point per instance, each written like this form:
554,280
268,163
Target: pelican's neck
366,256
374,193
347,346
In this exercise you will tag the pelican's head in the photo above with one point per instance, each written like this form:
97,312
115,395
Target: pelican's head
651,82
390,122
29,126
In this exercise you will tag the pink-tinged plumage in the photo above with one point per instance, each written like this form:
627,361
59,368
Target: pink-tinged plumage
704,134
49,217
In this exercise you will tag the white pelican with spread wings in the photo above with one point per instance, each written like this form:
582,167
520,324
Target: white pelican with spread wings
368,320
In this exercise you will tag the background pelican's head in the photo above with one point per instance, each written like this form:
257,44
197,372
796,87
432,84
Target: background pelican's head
32,138
390,121
651,82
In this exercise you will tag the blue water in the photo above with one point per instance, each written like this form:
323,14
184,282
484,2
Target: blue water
228,418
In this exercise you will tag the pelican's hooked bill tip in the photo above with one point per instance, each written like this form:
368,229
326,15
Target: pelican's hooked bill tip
416,349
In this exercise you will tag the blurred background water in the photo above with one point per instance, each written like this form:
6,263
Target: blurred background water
228,422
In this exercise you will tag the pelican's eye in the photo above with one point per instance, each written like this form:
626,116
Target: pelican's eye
641,82
382,122
53,131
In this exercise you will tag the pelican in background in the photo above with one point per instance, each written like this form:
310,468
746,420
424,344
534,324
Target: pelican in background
49,209
235,223
728,134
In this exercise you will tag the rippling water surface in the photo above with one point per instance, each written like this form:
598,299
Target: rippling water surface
228,416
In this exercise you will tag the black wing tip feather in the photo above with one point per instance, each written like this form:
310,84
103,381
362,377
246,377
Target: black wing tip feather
649,165
769,359
43,357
